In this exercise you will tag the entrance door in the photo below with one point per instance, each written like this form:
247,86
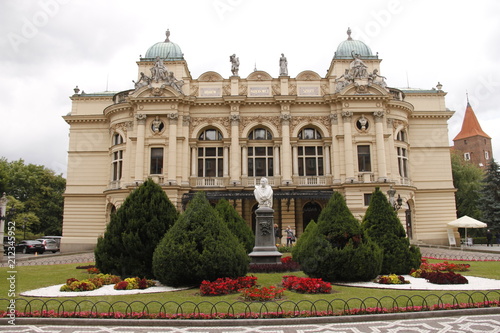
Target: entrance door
311,212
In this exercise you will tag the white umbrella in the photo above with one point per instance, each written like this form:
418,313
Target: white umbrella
467,222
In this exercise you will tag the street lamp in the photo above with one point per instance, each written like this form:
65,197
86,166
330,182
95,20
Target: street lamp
3,206
395,203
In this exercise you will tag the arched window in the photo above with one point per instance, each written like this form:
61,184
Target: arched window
117,139
401,136
210,153
310,153
260,153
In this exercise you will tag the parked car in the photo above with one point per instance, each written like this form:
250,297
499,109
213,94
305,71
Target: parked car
30,246
49,244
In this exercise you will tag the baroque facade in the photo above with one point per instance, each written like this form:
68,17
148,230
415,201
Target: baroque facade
348,131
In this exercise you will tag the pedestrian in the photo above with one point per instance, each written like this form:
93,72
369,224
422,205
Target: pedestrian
489,238
290,237
497,236
277,235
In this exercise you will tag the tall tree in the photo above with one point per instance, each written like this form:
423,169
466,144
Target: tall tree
199,247
337,248
383,226
134,232
39,189
236,224
468,180
490,196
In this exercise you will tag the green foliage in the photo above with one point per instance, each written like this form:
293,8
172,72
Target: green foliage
134,232
199,247
236,224
468,180
336,248
41,193
490,196
383,226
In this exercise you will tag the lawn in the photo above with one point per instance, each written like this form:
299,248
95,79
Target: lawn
188,301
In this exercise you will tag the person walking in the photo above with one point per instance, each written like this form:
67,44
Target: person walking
277,234
489,238
290,237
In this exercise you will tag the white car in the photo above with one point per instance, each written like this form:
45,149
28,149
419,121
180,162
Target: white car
49,244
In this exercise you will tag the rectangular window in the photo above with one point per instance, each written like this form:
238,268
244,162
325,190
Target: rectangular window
310,160
117,165
486,155
467,156
364,160
366,199
402,162
156,161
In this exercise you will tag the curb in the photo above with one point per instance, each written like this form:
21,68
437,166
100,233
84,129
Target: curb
256,322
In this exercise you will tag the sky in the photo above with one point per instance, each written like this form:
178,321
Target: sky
47,47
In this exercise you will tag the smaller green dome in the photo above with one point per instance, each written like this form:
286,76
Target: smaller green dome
165,50
347,48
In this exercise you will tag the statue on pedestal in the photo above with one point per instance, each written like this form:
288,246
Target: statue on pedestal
264,193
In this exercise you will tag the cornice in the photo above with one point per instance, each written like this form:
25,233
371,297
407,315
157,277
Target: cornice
85,119
437,114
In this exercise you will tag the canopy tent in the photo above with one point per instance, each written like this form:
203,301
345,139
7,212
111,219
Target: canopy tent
467,222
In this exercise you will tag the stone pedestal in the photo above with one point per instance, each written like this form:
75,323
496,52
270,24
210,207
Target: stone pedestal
265,251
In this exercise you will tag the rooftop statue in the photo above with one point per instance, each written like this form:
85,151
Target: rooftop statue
159,70
283,66
144,80
235,64
358,67
264,193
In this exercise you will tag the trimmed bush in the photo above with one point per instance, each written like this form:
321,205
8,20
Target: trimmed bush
383,226
199,247
236,224
134,232
336,249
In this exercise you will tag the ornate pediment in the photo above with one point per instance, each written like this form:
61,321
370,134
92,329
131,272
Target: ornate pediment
259,76
308,76
210,77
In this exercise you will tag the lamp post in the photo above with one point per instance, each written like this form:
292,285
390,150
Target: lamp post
395,203
3,207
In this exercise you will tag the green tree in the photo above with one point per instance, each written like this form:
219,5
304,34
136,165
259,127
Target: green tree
337,249
468,180
134,232
383,226
490,196
236,224
39,189
199,247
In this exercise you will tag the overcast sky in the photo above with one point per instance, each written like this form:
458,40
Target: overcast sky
47,47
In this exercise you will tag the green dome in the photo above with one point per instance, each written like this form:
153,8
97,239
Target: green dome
347,48
165,50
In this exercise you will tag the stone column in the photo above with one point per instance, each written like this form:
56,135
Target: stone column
244,157
287,158
326,157
235,155
295,157
139,147
379,138
172,148
194,160
335,153
276,154
265,251
349,161
225,158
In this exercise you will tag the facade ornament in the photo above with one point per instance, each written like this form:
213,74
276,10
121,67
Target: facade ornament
173,116
343,81
276,89
226,90
324,89
143,81
346,114
141,118
361,88
234,118
334,118
159,71
362,123
243,90
235,64
283,66
157,125
285,117
157,91
377,79
378,114
194,90
358,67
292,89
186,120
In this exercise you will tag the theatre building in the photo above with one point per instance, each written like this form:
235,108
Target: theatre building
309,135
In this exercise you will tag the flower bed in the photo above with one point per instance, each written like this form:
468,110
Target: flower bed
262,294
306,285
224,286
100,280
445,266
134,283
444,278
391,279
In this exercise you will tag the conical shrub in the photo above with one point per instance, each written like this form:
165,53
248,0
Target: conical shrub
383,226
199,247
336,249
236,224
134,232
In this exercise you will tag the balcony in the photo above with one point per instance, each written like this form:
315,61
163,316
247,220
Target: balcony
209,182
312,180
366,177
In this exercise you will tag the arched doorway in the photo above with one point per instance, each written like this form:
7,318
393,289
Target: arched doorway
311,212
